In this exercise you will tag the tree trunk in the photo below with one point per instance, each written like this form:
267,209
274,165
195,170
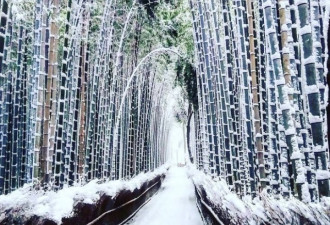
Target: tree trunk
190,113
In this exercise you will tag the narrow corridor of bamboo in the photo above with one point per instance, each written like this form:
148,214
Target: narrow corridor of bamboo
62,87
83,86
272,134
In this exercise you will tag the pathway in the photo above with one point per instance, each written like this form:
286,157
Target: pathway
174,204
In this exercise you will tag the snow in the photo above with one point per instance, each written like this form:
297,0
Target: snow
319,148
19,9
282,143
305,30
301,178
322,174
276,55
56,205
309,60
266,209
314,119
285,50
284,27
290,131
285,106
296,155
267,3
305,193
174,204
280,81
270,30
311,89
258,135
273,182
299,2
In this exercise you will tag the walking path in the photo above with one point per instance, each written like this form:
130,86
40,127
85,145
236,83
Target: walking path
174,204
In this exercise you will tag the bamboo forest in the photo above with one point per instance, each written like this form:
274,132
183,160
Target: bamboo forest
214,109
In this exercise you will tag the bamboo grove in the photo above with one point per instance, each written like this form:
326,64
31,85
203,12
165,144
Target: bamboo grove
261,121
80,93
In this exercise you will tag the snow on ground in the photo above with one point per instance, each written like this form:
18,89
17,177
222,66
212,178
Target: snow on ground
174,204
255,211
56,205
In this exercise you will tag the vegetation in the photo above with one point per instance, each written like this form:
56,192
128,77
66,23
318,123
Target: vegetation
261,122
83,86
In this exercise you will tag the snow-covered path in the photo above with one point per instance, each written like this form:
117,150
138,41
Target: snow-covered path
174,204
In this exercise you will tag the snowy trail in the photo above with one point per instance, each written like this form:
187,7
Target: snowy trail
174,204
